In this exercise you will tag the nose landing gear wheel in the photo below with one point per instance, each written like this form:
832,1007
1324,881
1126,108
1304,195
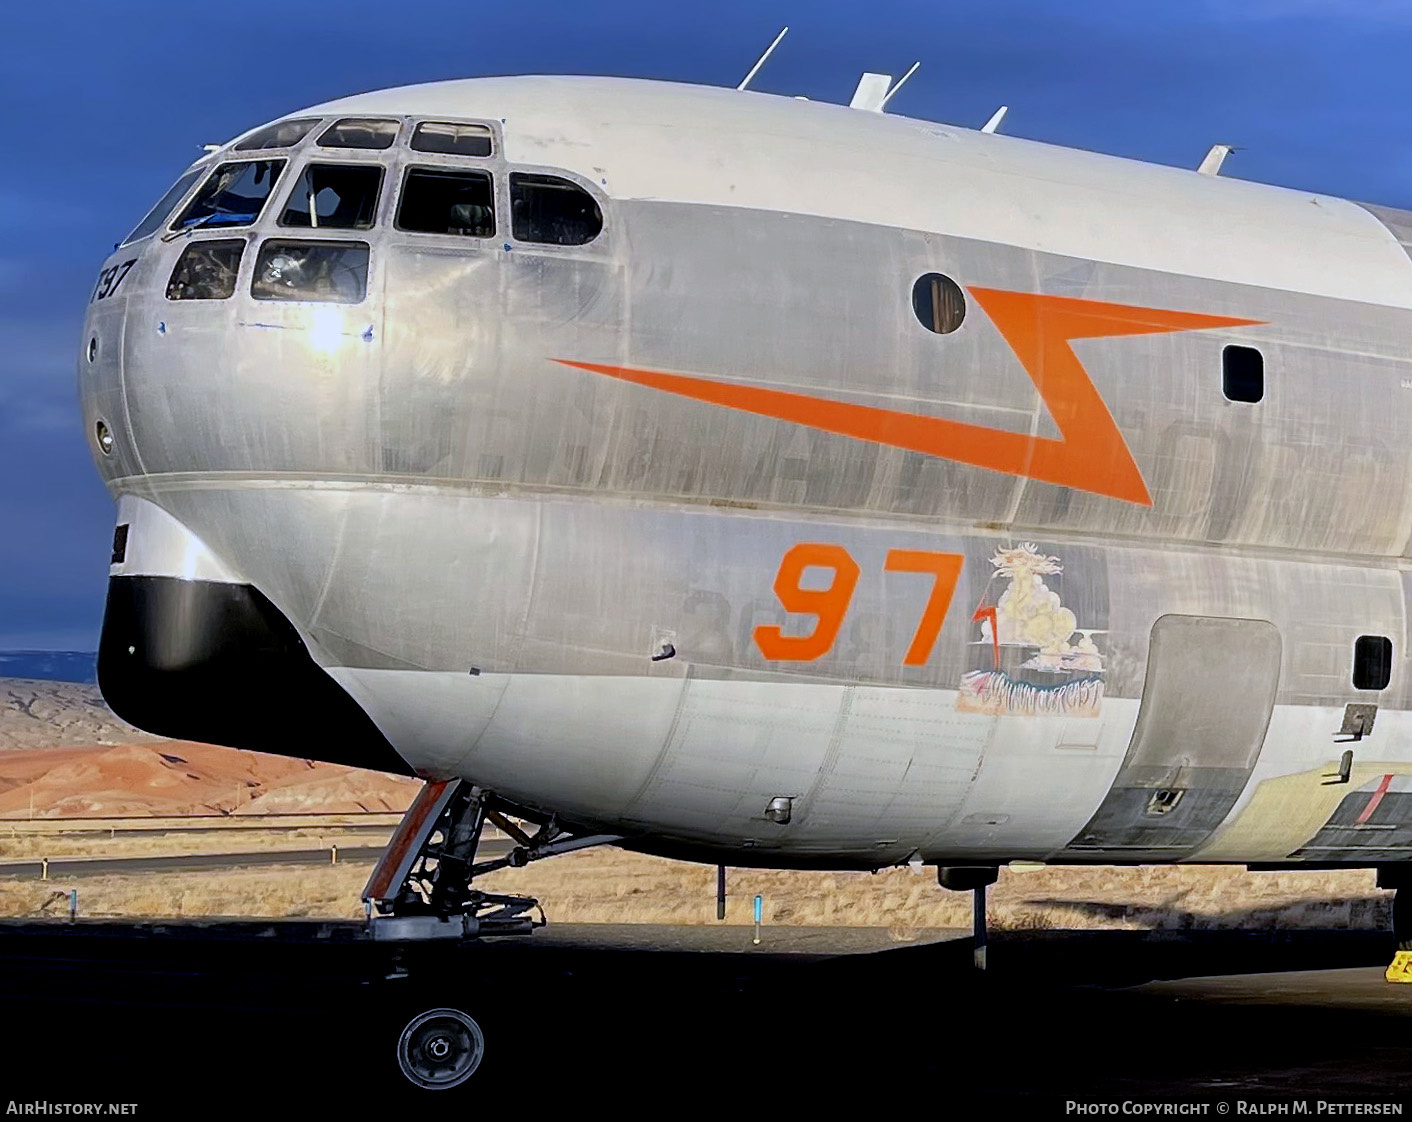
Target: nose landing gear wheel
440,1049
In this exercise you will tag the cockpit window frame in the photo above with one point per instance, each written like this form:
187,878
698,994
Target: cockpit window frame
395,162
283,242
415,167
415,128
172,200
243,143
408,158
191,247
276,191
348,157
595,247
397,141
551,181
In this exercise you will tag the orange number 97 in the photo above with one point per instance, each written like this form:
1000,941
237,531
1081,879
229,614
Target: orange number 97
828,604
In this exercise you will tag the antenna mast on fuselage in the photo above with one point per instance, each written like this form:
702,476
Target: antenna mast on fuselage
754,70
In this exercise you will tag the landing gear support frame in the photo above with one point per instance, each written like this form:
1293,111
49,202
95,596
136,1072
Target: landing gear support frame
422,887
976,878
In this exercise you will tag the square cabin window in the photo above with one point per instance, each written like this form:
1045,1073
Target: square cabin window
1242,373
1372,662
452,140
334,196
316,272
447,202
206,270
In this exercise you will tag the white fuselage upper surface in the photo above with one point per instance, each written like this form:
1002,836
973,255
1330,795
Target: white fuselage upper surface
706,146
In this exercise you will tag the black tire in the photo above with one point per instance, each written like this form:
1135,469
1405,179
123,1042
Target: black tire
440,1049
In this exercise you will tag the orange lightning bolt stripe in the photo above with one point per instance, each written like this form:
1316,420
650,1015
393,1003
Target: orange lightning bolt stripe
1090,454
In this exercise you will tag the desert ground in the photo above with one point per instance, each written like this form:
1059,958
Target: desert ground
69,769
612,886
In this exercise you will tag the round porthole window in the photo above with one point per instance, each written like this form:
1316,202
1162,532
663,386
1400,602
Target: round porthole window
939,303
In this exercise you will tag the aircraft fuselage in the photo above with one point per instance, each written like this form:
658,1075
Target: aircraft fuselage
652,527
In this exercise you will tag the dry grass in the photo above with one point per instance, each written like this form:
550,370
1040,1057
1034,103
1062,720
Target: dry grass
615,887
20,846
610,886
323,893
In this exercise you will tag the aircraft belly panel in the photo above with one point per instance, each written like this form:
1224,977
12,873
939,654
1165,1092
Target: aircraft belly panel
437,718
903,764
578,745
734,747
1374,824
1036,784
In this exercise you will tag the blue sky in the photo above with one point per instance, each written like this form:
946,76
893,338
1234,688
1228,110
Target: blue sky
106,102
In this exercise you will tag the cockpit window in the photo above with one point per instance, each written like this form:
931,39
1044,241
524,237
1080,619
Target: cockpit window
206,270
553,211
327,272
158,214
281,134
341,196
359,132
452,140
447,202
233,196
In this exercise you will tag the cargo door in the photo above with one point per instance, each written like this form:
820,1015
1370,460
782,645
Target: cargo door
1206,703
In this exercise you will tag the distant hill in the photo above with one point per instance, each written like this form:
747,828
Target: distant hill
64,753
38,714
50,666
175,777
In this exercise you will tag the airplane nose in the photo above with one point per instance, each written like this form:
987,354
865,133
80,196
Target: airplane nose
262,374
191,651
100,370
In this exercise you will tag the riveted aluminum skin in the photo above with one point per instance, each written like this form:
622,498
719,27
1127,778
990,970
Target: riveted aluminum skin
423,485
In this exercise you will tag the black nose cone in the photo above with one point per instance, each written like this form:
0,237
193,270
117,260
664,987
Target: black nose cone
218,663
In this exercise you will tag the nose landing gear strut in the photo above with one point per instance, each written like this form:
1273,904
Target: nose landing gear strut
422,889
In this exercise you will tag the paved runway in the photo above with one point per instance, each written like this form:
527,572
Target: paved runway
302,1016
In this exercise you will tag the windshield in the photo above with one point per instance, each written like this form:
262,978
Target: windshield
233,196
335,195
158,214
